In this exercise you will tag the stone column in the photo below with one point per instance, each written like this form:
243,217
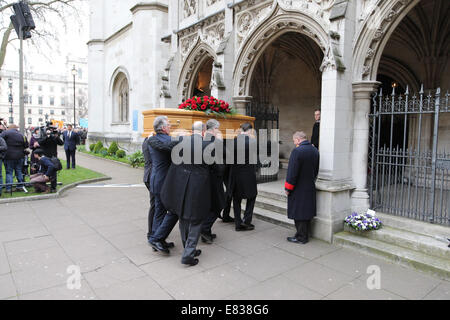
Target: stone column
362,92
240,103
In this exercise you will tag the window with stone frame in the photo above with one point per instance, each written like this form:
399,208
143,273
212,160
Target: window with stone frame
121,99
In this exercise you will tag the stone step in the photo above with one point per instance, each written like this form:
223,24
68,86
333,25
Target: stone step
276,206
438,232
273,217
272,195
410,240
284,163
430,264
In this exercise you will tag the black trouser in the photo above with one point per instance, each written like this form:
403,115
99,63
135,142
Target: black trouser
302,227
190,233
248,214
70,154
227,209
208,223
151,211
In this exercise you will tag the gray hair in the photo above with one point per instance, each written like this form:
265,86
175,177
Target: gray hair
212,124
300,135
197,126
159,123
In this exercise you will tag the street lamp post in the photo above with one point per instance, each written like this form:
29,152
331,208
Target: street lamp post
74,73
11,99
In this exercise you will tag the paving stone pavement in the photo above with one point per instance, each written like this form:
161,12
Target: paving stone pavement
103,232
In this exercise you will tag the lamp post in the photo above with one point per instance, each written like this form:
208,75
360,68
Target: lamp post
10,99
74,73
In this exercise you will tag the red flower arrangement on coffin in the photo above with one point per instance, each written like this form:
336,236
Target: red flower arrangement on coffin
208,105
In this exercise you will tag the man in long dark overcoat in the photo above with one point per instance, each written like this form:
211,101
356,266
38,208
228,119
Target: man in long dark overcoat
300,186
187,192
242,184
213,135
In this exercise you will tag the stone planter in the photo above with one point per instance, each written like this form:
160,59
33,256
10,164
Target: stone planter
183,120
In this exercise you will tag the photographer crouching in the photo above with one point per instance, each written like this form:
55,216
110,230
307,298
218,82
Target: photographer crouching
49,140
47,173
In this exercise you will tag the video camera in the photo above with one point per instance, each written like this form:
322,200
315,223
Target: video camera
48,130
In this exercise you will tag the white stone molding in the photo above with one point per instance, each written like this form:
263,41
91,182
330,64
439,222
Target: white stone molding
278,22
210,31
380,20
190,8
193,62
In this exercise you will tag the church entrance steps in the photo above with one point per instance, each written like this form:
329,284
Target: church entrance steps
409,240
276,206
424,228
394,252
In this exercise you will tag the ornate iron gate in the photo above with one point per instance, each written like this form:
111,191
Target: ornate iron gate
408,165
266,117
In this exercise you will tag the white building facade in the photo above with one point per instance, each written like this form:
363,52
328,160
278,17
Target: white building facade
46,97
295,55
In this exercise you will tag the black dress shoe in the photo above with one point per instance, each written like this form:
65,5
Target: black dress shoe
295,240
243,227
248,226
207,238
158,246
168,245
190,261
197,253
213,235
227,219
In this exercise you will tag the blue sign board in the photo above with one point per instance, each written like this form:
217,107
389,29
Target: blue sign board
135,120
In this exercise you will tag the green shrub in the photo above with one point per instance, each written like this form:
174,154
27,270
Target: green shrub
136,159
82,148
98,147
92,147
113,148
120,154
103,152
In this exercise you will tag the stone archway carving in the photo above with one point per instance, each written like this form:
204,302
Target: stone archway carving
374,34
200,52
278,22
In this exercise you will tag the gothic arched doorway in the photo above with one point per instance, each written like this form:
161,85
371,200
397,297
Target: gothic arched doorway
287,78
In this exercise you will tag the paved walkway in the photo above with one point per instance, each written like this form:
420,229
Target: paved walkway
102,230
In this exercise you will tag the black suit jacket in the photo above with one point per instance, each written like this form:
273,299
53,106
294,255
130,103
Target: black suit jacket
148,161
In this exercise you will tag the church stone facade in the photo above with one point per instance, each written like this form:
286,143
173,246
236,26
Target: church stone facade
297,55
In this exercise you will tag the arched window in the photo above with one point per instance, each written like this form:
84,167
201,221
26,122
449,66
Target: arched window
121,98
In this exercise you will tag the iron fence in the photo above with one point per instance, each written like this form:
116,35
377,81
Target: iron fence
266,117
408,165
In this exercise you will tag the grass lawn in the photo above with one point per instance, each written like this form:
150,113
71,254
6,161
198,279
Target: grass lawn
66,177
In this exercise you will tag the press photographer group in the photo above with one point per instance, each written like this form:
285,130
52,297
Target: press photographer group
34,162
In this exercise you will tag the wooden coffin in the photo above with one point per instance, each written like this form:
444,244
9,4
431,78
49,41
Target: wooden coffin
182,120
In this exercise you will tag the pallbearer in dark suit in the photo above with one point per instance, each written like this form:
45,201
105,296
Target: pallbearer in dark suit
213,136
147,173
242,183
163,221
71,139
187,192
300,186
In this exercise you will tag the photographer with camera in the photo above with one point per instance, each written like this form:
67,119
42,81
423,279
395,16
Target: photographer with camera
15,154
47,172
49,140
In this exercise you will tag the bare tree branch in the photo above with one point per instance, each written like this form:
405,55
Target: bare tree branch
43,37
